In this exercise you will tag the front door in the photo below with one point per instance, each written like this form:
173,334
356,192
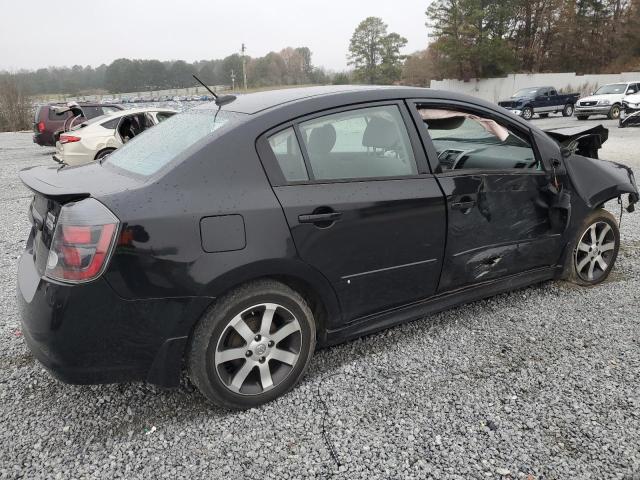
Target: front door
361,206
494,183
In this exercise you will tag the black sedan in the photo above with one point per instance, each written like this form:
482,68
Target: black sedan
234,239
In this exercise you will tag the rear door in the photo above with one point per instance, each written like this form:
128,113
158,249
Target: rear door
494,181
360,203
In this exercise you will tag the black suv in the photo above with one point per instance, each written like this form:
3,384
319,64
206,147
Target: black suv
235,238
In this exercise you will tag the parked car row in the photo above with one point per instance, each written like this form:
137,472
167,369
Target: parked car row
615,101
167,98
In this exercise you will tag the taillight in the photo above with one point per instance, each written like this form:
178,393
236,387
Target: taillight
84,237
68,139
41,127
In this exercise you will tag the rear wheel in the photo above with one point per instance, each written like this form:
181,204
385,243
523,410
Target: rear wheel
252,346
104,153
527,113
595,248
567,111
614,113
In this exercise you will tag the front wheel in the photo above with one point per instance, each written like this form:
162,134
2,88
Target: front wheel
567,111
252,346
594,249
527,113
614,113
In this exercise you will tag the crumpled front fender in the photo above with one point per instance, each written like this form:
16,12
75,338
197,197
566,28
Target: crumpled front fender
597,181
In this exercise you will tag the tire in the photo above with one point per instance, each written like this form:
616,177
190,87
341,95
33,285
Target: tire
567,111
614,112
544,115
104,153
527,113
233,325
583,267
582,117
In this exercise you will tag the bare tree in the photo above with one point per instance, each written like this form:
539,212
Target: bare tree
15,107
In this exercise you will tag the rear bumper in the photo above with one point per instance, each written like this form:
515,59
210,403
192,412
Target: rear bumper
86,334
42,140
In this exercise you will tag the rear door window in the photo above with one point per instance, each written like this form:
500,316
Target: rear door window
287,152
369,142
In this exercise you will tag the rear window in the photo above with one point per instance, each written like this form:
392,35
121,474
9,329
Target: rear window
58,118
147,153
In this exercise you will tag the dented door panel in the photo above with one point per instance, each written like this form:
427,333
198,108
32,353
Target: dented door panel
504,229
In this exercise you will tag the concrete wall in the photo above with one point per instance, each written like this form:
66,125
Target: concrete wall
494,89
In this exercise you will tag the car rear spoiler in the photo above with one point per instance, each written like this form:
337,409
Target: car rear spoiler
40,181
585,141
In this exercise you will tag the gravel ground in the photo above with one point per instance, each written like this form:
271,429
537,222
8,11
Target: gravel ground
541,383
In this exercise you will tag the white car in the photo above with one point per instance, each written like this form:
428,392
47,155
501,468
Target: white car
102,135
607,100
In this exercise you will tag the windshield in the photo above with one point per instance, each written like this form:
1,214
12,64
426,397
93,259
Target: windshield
525,92
611,89
148,152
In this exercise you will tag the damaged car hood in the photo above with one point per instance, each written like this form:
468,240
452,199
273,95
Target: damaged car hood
584,141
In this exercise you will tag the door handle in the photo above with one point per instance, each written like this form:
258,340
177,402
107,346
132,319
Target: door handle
466,205
328,217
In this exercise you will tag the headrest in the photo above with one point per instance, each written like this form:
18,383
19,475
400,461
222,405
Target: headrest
322,139
380,133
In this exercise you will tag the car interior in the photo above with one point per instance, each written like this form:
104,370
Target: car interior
466,141
132,125
359,144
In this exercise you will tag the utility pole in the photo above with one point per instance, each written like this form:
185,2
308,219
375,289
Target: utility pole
233,80
244,68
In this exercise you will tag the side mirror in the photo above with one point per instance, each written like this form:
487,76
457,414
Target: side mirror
631,91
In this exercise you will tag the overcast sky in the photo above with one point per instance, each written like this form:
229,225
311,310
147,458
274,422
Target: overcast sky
39,33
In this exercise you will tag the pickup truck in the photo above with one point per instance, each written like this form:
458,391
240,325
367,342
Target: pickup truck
540,100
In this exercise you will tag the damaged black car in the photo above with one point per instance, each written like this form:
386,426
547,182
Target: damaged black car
233,239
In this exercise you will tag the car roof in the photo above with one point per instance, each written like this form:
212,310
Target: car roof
252,103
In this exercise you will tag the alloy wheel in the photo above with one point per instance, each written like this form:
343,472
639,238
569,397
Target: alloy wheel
258,349
594,252
615,112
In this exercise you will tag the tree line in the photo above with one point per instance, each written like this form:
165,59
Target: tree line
290,66
487,38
